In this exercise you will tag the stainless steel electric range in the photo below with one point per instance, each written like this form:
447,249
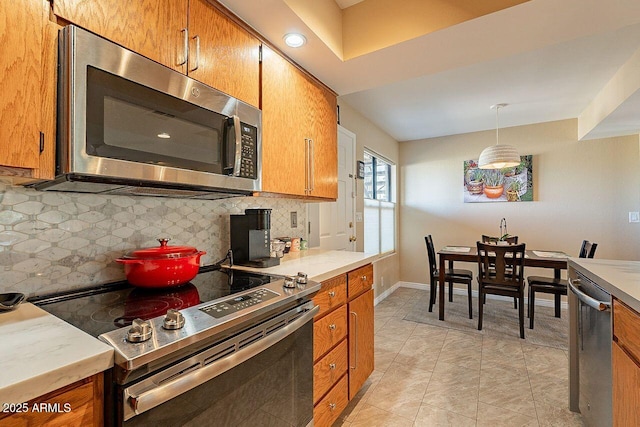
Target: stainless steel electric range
230,348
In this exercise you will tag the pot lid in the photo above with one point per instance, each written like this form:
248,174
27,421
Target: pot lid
163,252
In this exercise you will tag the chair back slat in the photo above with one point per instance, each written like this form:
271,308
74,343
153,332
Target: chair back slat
431,253
501,265
587,250
512,240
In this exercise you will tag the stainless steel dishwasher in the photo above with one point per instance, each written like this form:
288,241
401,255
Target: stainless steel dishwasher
589,350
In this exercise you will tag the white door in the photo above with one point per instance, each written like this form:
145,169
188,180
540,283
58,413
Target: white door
336,219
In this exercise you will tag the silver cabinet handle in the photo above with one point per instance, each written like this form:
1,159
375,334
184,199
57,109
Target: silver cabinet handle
185,46
332,327
312,181
307,155
197,62
331,294
332,366
586,299
332,406
355,339
363,278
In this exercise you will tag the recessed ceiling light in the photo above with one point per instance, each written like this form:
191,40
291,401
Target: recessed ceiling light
294,39
164,135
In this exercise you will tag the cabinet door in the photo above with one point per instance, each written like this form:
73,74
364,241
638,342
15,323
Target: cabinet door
152,28
21,34
324,135
229,57
283,117
626,389
360,341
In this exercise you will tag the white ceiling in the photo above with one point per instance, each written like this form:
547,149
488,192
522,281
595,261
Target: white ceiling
547,59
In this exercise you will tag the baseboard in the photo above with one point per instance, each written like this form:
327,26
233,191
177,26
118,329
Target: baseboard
425,287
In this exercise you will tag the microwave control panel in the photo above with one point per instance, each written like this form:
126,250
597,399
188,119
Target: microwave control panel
249,157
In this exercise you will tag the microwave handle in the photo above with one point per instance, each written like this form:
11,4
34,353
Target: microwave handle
233,160
238,145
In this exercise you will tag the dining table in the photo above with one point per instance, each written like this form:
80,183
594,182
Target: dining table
557,260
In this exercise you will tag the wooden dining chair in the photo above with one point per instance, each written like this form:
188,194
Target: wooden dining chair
550,285
450,275
512,240
505,278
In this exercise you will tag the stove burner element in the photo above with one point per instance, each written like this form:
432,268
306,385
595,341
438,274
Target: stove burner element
147,304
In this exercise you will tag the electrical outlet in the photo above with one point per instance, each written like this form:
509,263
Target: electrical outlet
294,219
634,216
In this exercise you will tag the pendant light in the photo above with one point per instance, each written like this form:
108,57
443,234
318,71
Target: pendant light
498,156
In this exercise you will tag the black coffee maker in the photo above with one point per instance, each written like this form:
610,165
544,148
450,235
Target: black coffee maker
251,238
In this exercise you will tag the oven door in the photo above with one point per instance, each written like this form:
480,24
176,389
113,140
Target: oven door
261,377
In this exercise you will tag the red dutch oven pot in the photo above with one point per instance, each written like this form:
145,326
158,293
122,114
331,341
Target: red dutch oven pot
161,267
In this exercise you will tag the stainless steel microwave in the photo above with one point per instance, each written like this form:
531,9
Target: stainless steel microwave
128,125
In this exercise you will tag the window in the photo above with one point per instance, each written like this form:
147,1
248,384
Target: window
379,204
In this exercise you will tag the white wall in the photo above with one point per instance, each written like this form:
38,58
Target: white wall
368,135
582,190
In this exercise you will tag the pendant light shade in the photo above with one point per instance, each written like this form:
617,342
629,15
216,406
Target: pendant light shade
498,156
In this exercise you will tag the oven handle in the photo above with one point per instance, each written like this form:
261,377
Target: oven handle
586,299
160,394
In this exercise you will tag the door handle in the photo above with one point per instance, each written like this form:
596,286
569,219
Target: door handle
352,238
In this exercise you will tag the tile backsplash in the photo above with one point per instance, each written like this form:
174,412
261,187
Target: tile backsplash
52,241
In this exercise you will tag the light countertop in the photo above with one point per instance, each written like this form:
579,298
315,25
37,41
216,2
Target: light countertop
619,278
318,264
41,353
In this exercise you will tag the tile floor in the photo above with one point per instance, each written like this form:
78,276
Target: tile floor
434,376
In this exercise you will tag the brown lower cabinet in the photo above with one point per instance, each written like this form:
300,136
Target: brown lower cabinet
342,342
77,405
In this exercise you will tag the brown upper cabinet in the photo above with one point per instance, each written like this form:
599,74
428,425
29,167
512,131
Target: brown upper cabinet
190,36
21,73
299,138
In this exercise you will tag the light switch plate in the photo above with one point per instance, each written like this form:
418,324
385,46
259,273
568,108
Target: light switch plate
359,217
634,216
294,219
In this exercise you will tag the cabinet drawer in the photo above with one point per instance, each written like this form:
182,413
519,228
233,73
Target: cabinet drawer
360,280
327,370
83,399
626,328
332,294
329,408
329,331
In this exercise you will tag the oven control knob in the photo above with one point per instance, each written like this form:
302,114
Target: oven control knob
173,320
301,279
140,331
289,282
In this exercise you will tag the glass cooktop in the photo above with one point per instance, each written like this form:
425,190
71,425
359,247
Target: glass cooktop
113,306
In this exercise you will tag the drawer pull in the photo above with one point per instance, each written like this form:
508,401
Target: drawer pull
332,327
364,278
332,406
332,294
332,366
